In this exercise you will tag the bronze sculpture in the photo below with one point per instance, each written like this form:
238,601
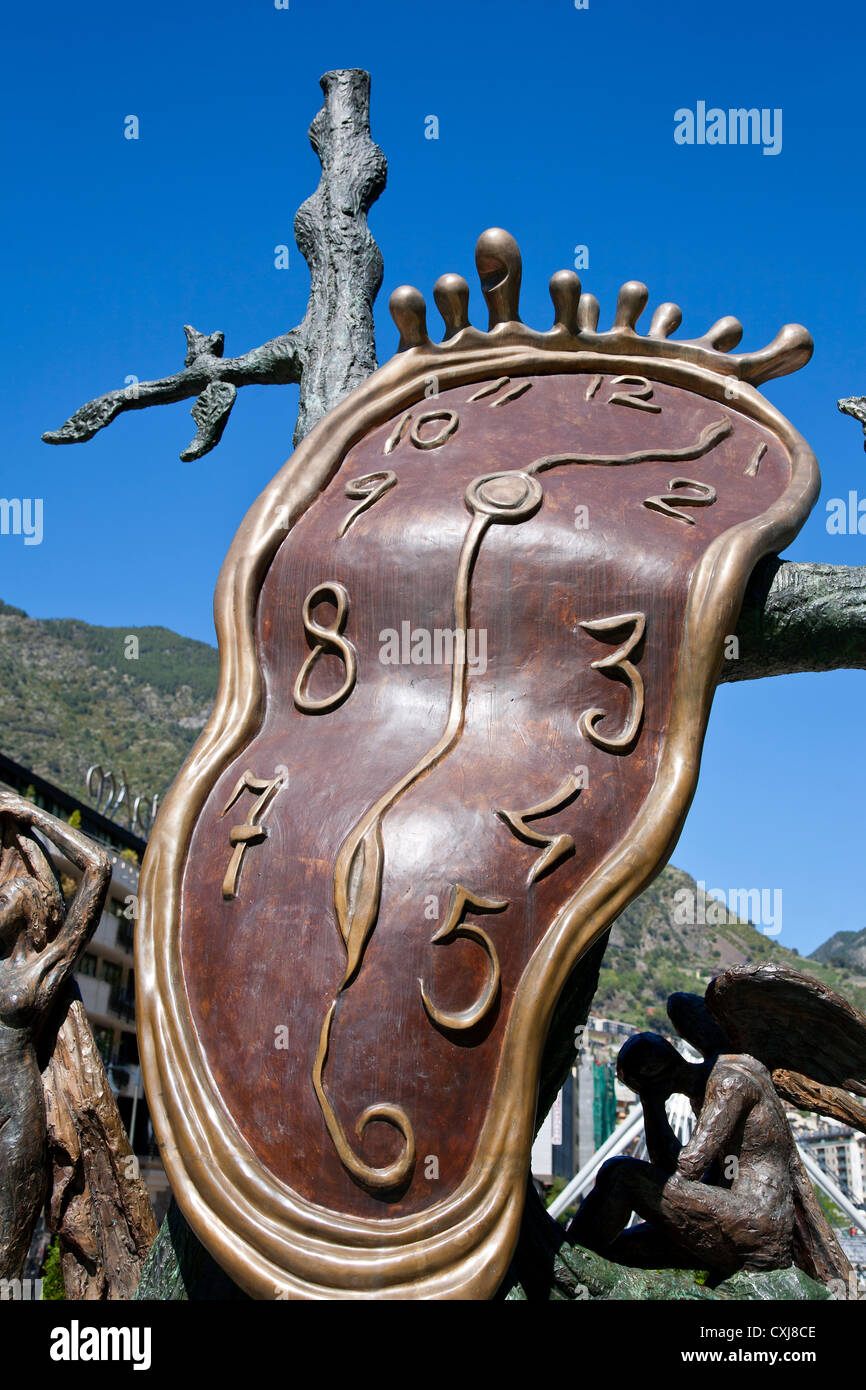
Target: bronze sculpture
41,944
796,593
736,1196
339,793
332,349
61,1137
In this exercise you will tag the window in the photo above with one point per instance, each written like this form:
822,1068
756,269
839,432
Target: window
111,972
127,1053
125,934
88,964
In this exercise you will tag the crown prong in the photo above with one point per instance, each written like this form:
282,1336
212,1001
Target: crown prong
499,265
451,293
724,335
631,302
565,293
665,321
409,312
788,352
588,311
576,314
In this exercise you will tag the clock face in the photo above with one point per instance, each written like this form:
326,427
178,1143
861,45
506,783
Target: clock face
468,645
458,735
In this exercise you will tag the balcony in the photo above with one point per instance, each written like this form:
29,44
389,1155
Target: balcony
124,872
114,934
125,1079
122,1003
95,994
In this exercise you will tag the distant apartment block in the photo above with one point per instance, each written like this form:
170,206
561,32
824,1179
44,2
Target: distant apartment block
589,1104
839,1150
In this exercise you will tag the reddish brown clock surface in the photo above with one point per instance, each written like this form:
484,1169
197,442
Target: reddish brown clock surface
563,565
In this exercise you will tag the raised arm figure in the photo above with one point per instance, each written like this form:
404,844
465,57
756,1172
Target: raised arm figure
40,942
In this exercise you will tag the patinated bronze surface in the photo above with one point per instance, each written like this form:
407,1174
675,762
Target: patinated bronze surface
62,1140
332,349
40,942
736,1196
744,1216
97,1202
469,637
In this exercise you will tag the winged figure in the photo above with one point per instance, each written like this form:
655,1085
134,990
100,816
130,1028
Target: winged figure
736,1196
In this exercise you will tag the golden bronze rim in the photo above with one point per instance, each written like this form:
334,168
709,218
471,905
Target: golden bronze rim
272,1242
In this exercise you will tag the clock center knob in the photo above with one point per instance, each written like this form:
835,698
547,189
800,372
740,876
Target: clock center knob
504,496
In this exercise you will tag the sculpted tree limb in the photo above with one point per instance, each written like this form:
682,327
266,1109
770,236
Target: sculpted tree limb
803,617
61,1135
98,1204
333,349
800,617
40,941
345,262
795,617
855,406
805,1094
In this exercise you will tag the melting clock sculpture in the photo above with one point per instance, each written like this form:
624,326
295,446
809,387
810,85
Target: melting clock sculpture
382,860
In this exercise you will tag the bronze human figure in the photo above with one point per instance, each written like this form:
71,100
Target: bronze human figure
40,942
744,1217
736,1196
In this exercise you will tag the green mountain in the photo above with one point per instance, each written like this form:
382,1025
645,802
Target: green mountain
847,949
655,949
72,694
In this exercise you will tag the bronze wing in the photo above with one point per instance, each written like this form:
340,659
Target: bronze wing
810,1038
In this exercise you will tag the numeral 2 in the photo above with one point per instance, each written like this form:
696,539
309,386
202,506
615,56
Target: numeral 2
668,502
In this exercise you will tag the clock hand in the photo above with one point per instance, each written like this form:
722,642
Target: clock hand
707,440
496,497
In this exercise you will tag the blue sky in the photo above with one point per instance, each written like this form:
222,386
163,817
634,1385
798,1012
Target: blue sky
554,122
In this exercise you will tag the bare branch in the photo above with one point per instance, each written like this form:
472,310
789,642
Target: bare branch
345,262
855,406
800,617
333,350
207,375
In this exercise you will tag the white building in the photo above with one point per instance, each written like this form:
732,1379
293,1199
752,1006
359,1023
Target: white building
839,1150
